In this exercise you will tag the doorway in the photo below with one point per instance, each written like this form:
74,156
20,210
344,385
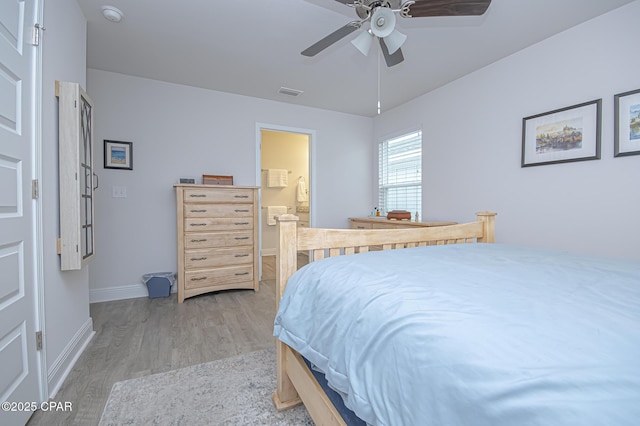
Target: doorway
285,179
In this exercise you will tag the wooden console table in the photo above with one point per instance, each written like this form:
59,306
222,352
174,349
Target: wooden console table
384,223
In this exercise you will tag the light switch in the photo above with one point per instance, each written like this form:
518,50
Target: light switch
118,192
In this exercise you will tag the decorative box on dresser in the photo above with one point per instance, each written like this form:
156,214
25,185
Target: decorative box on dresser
217,238
384,223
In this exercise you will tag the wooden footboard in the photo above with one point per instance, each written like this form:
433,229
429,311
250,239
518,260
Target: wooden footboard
295,383
307,389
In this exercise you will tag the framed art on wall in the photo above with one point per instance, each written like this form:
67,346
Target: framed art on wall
118,155
627,123
563,135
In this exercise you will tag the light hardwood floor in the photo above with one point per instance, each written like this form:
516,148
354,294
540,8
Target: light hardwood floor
138,337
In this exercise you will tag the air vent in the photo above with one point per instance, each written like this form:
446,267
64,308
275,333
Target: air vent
290,92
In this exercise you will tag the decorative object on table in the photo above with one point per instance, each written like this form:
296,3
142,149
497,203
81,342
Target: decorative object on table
627,123
118,155
399,215
563,135
217,180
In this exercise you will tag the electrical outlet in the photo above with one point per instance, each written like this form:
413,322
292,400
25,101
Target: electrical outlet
118,192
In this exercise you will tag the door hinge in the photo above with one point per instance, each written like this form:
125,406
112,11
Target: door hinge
35,34
34,189
38,340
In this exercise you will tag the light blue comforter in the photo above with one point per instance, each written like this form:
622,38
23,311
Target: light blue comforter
472,334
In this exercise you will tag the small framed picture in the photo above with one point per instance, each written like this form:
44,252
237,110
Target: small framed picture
627,123
562,135
118,155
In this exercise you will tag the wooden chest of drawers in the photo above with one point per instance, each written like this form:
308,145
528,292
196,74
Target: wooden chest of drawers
217,238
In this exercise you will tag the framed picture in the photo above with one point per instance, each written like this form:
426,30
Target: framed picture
562,135
118,155
627,123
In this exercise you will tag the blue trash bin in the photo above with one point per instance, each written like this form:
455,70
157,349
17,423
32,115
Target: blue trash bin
159,283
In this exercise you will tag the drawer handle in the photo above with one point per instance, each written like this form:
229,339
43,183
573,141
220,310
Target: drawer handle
242,273
360,227
202,240
198,258
241,223
241,211
197,195
242,238
198,278
199,211
242,255
241,196
198,224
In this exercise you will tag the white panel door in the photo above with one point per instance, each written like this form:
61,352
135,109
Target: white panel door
18,372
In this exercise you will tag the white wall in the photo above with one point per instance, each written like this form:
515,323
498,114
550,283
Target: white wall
68,326
181,131
473,134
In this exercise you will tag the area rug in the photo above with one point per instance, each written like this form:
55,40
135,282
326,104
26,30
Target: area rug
231,391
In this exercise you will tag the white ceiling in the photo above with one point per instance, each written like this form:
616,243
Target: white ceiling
252,47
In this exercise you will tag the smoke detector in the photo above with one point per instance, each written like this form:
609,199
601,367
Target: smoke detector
112,14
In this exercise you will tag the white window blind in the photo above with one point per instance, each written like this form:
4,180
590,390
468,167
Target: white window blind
400,173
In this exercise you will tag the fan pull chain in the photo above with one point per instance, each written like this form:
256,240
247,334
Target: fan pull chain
378,81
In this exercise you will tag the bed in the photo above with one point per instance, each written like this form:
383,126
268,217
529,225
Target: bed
452,332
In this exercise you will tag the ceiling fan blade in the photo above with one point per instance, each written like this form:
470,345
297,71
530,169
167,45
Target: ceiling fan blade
391,60
426,8
335,36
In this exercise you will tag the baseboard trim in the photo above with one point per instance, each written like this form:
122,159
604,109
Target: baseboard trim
67,359
120,293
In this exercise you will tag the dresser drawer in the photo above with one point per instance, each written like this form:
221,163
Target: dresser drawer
218,239
204,195
218,276
360,225
386,225
217,224
218,210
208,258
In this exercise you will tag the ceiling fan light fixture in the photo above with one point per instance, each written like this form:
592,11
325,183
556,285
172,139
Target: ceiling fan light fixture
363,42
383,22
394,41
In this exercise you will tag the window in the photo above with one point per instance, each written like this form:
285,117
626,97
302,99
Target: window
400,173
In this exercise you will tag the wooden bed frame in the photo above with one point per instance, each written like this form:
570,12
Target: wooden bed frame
295,382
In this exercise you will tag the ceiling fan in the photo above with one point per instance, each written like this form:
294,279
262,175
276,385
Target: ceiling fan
381,15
